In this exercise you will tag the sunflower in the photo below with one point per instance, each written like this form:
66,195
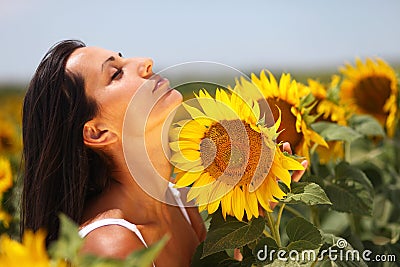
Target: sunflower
10,139
296,103
31,252
5,218
228,156
5,183
372,88
328,106
6,180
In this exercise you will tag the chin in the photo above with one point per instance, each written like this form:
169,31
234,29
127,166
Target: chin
170,100
165,108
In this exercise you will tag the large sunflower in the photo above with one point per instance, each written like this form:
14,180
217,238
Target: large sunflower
228,156
328,106
295,103
372,88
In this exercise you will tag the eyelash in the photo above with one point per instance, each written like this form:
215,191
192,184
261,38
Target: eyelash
116,74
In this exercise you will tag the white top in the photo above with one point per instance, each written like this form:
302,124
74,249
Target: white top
124,223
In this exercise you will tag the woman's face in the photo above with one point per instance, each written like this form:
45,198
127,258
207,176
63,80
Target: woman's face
112,81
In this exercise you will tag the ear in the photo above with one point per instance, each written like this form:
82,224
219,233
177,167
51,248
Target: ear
96,135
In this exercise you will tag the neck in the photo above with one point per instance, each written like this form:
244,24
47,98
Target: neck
141,176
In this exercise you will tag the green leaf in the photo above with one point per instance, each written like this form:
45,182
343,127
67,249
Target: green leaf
217,220
232,235
366,125
217,259
68,243
301,245
332,131
308,193
350,190
299,229
145,257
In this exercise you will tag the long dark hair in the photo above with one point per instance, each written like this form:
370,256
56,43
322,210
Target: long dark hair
59,170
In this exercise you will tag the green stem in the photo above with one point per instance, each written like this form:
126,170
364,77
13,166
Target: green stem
278,219
314,263
278,222
267,234
270,224
347,154
315,217
354,224
275,235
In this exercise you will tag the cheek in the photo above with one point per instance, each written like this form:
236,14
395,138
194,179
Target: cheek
117,97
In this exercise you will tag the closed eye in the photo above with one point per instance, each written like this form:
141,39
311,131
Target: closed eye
117,74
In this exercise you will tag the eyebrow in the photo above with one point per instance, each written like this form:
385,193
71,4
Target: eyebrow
112,58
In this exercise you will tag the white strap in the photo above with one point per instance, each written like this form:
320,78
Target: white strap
178,199
111,221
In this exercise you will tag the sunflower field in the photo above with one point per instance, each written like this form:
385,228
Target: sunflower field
285,173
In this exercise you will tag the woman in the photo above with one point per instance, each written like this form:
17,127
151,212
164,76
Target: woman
74,163
73,122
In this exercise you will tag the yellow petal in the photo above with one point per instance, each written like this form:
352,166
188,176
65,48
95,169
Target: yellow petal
276,191
202,207
206,122
226,204
191,154
263,195
185,144
178,158
280,172
251,201
287,162
210,108
192,130
173,134
187,179
193,193
188,166
204,180
238,203
318,139
278,120
219,190
194,112
213,206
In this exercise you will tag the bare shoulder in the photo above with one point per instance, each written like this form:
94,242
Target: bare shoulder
111,240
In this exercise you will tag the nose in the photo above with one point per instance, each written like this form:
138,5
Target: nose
145,67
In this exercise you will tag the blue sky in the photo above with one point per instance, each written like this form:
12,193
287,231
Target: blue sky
285,35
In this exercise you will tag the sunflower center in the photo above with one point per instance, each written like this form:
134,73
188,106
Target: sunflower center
288,123
235,153
372,92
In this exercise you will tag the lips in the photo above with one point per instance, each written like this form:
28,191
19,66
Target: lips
161,83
